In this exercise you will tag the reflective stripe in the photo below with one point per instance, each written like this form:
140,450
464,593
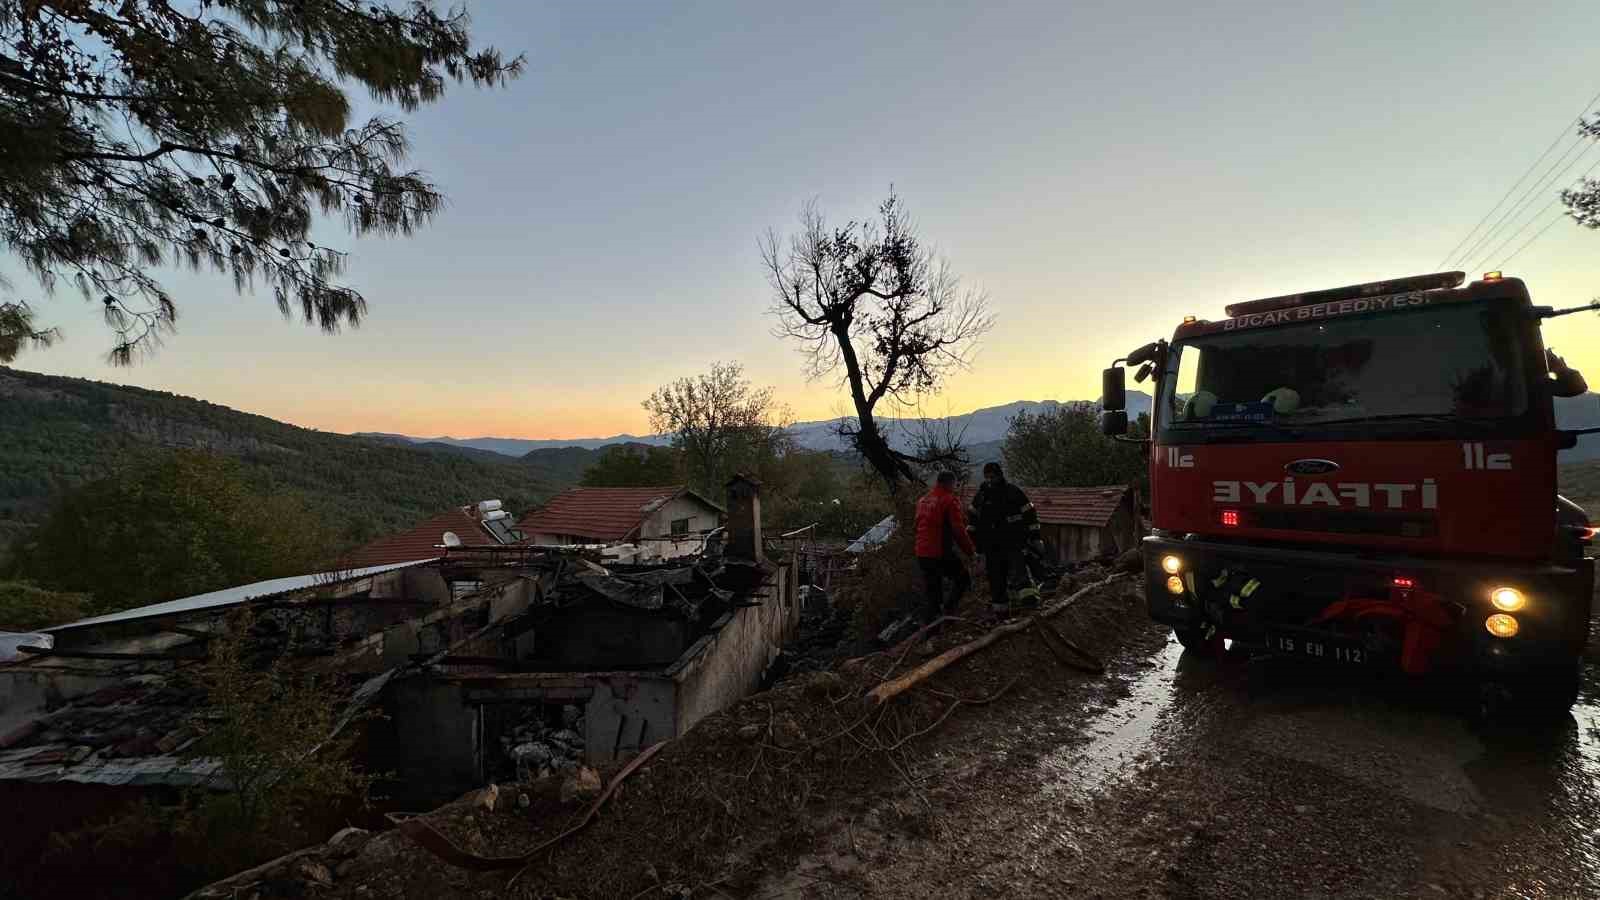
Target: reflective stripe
1233,601
1249,587
1026,507
1220,580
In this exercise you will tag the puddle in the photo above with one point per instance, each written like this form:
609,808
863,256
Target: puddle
1577,794
1121,735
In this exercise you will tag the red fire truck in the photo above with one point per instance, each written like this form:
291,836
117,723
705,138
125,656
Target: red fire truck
1366,477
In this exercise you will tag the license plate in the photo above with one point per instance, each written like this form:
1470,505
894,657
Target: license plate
1319,648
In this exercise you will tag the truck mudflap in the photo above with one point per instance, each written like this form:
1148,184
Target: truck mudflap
1415,615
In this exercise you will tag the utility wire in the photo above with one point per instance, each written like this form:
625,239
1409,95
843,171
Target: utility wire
1529,241
1536,216
1509,191
1533,190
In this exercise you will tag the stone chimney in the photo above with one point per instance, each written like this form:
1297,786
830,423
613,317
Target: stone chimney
744,519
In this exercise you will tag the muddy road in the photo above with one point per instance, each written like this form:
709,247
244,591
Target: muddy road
1263,778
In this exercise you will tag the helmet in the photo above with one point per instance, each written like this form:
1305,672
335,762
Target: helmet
1283,400
1199,405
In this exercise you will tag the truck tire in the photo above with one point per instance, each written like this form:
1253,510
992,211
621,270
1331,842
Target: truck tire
1542,697
1194,641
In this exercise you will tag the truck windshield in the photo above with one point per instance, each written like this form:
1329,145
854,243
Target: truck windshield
1460,363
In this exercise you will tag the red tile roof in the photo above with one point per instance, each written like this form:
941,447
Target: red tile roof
1088,506
420,542
600,514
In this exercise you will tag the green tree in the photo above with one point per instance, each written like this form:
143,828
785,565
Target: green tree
26,607
171,525
1064,446
137,133
720,423
272,730
633,465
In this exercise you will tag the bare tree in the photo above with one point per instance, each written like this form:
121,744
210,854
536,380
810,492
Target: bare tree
869,303
719,421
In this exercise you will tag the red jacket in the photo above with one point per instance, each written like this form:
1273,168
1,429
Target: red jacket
941,524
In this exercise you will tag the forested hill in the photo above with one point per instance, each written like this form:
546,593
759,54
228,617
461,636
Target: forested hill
56,433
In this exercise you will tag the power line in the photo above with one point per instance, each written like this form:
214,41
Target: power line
1533,190
1509,191
1536,216
1525,245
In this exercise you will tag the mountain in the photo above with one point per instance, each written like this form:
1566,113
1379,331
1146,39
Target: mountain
977,427
58,432
521,447
1580,412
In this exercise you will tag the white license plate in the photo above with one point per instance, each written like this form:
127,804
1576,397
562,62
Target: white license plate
1318,648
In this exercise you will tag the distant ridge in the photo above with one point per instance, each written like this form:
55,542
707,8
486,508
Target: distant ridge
980,426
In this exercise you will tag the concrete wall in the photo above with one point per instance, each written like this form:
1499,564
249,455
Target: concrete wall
598,637
701,518
627,714
731,659
435,737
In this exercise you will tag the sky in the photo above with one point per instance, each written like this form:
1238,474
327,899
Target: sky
1100,169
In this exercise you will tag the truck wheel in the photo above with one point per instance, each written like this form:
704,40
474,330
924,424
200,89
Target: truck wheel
1194,641
1541,697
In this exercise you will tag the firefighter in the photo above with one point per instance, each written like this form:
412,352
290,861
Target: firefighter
941,528
1005,525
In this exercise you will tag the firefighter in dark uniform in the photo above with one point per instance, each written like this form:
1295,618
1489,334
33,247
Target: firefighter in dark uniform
1005,527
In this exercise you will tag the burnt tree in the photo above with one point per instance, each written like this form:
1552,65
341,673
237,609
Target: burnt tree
870,304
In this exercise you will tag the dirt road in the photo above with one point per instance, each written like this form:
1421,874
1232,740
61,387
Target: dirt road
1258,779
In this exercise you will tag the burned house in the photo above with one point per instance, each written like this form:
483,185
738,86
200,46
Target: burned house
551,659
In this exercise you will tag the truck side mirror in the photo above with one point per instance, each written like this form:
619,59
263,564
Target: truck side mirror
1113,389
1114,423
1145,354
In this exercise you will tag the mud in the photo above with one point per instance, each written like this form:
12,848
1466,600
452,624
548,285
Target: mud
1168,777
1262,779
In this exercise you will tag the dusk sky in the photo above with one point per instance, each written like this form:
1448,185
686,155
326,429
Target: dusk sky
1100,169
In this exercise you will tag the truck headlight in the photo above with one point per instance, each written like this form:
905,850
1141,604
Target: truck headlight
1501,625
1174,584
1171,565
1508,599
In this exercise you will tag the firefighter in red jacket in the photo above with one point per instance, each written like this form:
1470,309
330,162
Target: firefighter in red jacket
941,528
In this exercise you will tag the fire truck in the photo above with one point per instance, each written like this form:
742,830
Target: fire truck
1365,477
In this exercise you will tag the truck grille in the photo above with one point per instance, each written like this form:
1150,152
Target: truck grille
1340,521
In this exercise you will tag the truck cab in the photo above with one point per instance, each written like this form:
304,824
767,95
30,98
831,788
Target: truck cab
1366,477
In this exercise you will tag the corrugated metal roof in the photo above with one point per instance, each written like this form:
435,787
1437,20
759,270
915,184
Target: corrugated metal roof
874,536
235,595
602,514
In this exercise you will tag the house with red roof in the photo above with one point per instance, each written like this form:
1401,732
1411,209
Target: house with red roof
1082,523
663,522
473,525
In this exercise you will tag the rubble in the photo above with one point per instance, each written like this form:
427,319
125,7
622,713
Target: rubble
759,776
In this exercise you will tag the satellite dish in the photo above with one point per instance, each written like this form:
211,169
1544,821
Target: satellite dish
450,539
